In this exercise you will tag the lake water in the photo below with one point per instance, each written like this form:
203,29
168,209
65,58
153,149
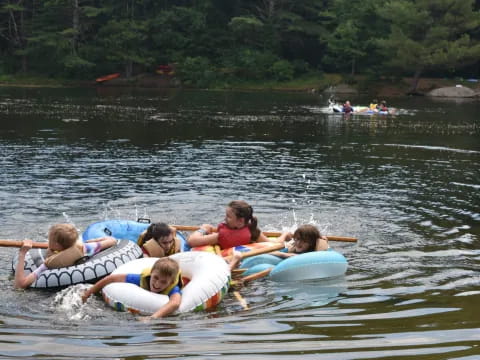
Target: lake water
408,187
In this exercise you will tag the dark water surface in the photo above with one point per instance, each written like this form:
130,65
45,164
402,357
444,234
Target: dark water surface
407,186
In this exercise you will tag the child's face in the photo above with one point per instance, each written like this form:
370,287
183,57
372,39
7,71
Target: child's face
301,246
159,282
166,242
232,220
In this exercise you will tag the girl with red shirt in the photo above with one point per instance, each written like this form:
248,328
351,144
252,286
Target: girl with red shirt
239,228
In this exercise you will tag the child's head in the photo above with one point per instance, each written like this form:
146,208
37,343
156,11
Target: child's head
62,236
163,274
162,234
306,237
238,214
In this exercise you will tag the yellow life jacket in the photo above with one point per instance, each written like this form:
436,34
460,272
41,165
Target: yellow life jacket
64,258
373,106
145,281
154,249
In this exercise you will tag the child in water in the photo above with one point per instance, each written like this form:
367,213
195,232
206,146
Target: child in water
239,228
163,278
63,251
306,238
159,240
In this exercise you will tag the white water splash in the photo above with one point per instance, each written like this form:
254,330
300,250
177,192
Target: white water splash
69,302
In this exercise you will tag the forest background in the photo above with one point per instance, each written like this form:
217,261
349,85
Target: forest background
230,43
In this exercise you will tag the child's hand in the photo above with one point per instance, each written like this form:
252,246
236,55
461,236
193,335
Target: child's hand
86,295
208,228
27,245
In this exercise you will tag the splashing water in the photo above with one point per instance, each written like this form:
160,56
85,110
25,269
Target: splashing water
69,302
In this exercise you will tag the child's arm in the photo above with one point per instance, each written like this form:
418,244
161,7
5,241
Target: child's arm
284,237
203,236
170,307
282,255
105,242
22,281
322,244
102,283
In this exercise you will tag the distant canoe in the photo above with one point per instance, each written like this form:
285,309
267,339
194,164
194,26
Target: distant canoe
107,77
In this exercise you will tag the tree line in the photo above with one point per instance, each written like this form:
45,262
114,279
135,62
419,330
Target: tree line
217,41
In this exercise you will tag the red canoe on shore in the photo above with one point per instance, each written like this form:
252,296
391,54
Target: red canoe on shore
107,77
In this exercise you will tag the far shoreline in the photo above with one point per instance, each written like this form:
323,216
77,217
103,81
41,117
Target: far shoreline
359,85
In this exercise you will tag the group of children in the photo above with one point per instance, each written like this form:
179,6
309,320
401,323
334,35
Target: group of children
373,107
240,227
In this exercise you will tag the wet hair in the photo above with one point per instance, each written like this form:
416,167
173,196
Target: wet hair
374,101
309,234
65,235
157,231
167,267
243,210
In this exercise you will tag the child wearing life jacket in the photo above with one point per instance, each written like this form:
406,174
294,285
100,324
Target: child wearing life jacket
305,239
383,107
63,251
240,227
347,108
162,278
159,240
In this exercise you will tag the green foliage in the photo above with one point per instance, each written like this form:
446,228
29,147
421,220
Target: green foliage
216,41
197,71
282,70
430,34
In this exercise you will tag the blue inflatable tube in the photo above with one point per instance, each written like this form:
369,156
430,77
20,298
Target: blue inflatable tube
123,230
307,266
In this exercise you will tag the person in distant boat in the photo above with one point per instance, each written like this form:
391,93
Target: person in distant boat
347,108
63,251
305,239
240,227
159,240
373,105
163,277
383,106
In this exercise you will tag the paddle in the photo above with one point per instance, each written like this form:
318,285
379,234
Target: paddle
269,233
241,300
257,275
17,243
259,251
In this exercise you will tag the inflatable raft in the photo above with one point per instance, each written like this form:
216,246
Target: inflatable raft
308,266
123,229
208,281
89,271
358,110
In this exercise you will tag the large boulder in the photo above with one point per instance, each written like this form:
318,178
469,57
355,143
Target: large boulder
458,91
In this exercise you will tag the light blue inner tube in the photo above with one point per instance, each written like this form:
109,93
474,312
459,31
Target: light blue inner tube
123,229
260,259
312,265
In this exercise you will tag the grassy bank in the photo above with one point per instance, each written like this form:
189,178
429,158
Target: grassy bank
312,83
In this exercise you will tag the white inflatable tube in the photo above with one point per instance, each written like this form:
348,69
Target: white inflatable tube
209,278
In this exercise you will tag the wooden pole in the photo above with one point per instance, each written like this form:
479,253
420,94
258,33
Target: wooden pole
256,276
269,233
19,243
